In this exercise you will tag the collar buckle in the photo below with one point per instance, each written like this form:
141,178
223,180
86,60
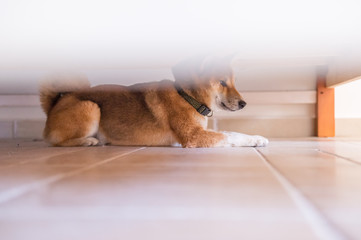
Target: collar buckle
205,111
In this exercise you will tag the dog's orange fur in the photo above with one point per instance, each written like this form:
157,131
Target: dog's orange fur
149,114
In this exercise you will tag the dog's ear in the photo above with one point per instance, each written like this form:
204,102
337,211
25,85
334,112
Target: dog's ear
229,58
186,69
214,65
193,68
207,64
201,67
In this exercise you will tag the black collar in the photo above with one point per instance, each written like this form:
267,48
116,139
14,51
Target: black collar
201,108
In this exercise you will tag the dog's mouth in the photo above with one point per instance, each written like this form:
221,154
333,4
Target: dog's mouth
227,108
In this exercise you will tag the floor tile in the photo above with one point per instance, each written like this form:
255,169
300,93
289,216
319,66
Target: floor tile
331,183
165,193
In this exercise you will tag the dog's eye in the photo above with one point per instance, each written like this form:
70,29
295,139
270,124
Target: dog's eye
223,83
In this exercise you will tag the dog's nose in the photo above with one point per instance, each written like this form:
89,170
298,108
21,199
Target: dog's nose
241,104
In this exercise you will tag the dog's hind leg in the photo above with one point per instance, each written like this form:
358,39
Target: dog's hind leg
73,123
85,142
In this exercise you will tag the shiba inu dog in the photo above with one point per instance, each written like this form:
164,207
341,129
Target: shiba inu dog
151,114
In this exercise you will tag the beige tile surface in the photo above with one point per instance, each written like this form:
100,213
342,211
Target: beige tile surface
332,183
343,149
175,193
164,229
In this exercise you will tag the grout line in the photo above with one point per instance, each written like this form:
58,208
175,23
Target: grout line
323,228
21,190
338,156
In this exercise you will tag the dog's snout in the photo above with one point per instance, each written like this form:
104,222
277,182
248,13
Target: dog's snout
241,104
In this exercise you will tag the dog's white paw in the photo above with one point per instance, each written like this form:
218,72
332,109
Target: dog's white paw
90,141
258,141
235,139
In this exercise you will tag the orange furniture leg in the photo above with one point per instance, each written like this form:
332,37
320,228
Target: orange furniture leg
325,108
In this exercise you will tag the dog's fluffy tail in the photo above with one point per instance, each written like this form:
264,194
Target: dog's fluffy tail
53,86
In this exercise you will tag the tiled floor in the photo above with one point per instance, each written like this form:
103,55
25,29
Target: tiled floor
292,189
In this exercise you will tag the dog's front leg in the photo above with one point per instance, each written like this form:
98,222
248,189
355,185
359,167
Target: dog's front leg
234,139
193,135
200,138
207,138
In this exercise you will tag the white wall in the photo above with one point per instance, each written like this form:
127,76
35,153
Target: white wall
348,100
348,109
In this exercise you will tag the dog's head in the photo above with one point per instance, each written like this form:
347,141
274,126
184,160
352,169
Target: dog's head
212,77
